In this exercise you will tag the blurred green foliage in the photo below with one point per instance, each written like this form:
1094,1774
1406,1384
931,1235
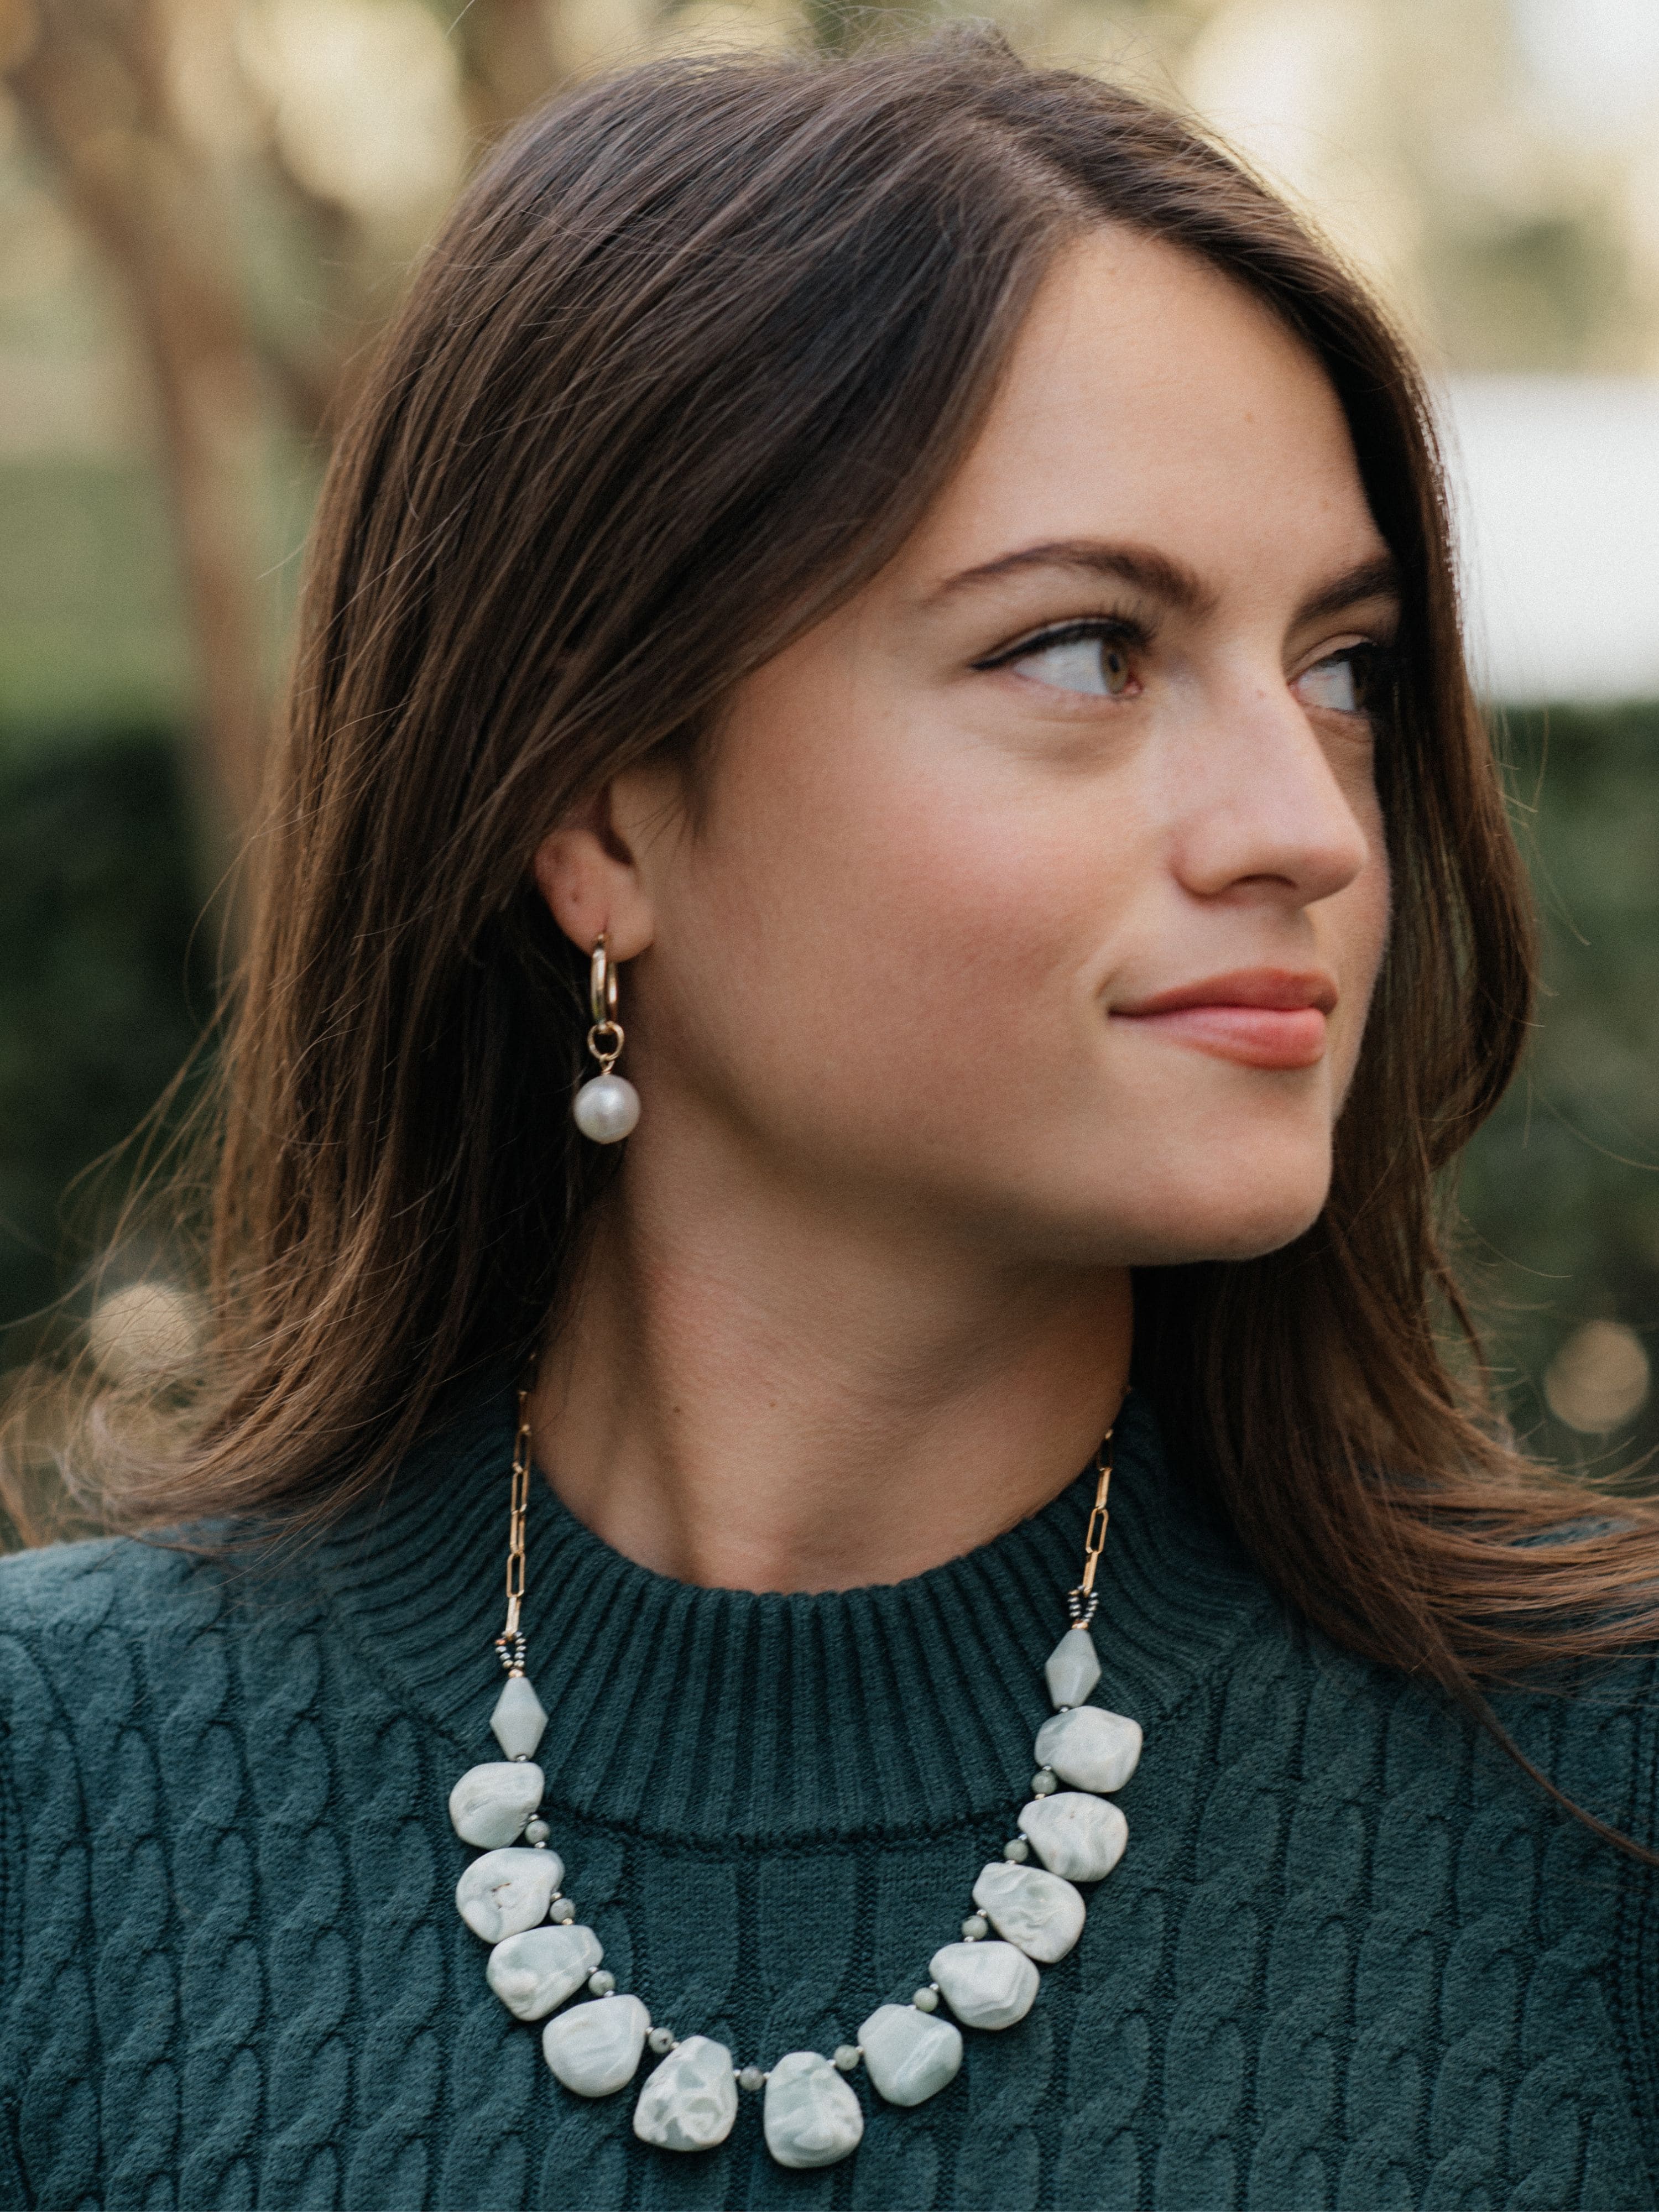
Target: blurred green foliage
106,979
92,627
104,984
1561,1188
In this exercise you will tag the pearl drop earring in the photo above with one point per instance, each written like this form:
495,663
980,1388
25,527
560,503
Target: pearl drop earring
607,1107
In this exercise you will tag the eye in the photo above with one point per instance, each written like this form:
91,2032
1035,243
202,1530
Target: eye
1085,658
1344,682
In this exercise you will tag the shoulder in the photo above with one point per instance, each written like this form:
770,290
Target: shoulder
101,1638
90,1634
78,1585
1595,1738
115,1587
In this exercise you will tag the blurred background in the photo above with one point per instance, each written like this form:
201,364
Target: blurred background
208,208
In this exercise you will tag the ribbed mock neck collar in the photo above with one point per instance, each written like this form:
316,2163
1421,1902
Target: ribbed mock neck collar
711,1714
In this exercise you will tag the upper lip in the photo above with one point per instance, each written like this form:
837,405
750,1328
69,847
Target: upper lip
1284,989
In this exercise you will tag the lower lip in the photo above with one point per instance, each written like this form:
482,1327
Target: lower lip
1254,1036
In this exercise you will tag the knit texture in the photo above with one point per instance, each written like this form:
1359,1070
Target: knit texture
1351,1959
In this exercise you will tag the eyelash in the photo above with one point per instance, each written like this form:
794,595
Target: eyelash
1376,661
1113,630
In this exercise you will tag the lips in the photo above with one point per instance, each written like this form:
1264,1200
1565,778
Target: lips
1271,1017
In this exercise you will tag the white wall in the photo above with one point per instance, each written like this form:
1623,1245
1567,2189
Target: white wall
1556,487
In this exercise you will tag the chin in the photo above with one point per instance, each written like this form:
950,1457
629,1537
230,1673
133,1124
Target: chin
1174,1219
1244,1225
1179,1179
1254,1238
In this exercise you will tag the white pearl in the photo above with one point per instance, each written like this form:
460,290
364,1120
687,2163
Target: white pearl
606,1110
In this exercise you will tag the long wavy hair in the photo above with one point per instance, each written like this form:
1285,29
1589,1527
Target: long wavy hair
686,364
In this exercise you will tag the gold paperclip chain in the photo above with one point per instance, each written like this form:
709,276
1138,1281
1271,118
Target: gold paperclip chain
1082,1601
510,1643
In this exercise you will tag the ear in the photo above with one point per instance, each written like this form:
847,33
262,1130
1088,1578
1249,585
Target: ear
589,870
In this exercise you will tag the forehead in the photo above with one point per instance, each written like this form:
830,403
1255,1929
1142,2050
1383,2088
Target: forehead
1150,397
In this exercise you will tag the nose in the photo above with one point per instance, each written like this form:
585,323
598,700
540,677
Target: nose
1260,808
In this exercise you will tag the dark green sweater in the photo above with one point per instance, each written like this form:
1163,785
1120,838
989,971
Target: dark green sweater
1350,1958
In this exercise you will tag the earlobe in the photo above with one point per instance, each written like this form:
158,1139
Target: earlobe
592,883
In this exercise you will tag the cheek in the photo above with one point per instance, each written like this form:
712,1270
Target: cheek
1358,927
882,900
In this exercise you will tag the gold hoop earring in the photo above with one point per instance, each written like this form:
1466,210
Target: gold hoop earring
607,1107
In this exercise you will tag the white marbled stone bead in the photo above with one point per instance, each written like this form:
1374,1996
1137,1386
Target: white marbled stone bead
490,1803
505,1892
909,2055
1071,1669
520,1718
691,2101
607,1109
1089,1747
985,1984
812,2117
1076,1835
1039,1912
594,2049
534,1973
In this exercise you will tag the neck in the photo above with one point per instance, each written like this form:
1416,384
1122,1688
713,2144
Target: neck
751,1389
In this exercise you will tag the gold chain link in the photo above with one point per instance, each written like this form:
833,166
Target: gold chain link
521,1458
1094,1539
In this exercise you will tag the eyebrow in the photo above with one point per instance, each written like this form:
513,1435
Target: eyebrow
1377,579
1153,572
1164,578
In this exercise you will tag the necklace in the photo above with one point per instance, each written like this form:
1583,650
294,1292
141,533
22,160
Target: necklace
541,1955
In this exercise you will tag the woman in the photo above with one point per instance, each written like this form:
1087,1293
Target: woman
921,579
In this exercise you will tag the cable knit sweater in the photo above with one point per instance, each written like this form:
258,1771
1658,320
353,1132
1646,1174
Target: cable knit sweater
1350,1960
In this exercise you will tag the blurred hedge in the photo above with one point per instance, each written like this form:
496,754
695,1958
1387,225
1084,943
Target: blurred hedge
105,979
1561,1188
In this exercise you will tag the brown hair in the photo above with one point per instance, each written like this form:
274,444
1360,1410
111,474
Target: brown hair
684,367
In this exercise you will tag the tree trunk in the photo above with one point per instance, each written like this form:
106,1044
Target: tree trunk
92,86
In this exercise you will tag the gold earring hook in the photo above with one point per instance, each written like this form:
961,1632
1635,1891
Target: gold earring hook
602,1004
602,981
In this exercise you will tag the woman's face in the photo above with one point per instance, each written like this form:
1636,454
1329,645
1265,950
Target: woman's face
1039,893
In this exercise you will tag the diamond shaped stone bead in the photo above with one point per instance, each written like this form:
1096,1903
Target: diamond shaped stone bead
520,1718
1071,1669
